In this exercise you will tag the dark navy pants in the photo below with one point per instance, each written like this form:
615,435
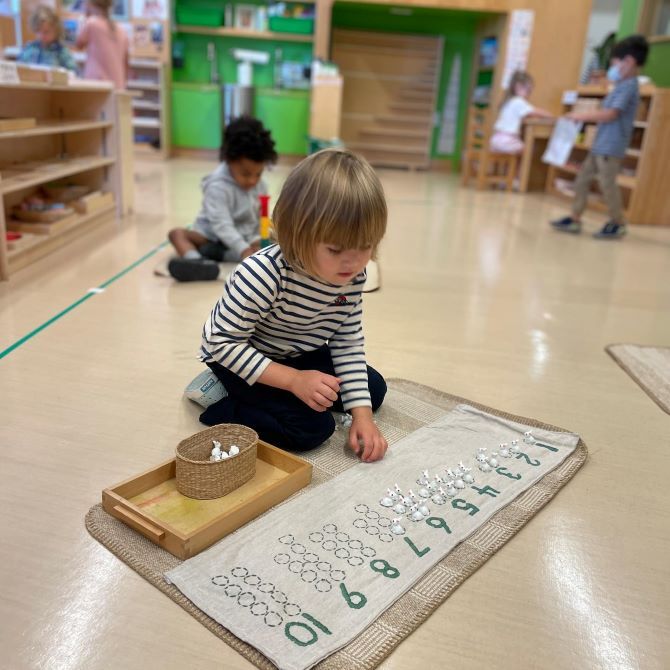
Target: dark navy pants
278,416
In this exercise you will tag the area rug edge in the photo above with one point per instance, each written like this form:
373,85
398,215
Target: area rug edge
632,375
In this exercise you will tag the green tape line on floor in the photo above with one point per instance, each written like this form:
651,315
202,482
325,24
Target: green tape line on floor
84,298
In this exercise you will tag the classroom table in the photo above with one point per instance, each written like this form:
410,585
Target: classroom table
532,171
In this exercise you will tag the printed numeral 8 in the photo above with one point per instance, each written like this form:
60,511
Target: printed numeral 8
384,568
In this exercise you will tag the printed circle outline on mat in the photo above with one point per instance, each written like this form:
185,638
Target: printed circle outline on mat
329,529
304,576
361,508
260,603
383,525
272,589
342,536
233,586
372,514
280,560
326,586
369,552
360,523
284,539
386,535
332,545
279,597
328,569
338,575
314,539
372,530
270,614
220,577
293,612
295,570
238,568
358,542
355,561
310,560
247,604
294,548
249,577
342,549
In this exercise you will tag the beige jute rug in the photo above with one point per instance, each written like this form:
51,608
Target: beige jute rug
408,406
648,366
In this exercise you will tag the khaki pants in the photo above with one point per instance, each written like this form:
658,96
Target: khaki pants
606,169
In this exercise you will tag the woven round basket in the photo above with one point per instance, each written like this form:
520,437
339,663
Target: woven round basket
198,477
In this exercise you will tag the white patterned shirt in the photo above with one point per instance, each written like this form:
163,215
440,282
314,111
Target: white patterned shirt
268,311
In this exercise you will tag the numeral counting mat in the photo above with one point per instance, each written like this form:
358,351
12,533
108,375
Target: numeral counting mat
308,577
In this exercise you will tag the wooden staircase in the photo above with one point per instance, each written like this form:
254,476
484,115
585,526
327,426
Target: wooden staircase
390,90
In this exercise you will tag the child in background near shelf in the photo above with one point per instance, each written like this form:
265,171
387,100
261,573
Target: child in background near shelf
286,339
514,109
227,227
106,45
48,48
615,121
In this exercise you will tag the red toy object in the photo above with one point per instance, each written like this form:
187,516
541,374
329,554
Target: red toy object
265,204
265,220
11,236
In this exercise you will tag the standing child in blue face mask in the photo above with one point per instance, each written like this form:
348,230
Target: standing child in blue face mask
615,126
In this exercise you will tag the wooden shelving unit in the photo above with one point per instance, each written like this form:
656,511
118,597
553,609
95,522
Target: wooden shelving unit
75,140
645,174
238,32
148,78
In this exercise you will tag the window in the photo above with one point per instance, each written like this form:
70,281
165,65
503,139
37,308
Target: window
655,19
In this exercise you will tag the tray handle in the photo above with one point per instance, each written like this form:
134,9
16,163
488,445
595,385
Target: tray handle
139,524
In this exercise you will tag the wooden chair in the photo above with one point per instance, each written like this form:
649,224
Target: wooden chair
487,167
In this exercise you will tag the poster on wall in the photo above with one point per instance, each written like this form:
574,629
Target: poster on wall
150,9
148,39
74,6
518,42
447,140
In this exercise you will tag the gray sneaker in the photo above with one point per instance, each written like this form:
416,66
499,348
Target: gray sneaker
567,224
205,389
611,231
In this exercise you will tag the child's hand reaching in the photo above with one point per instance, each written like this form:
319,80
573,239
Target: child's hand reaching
316,389
364,436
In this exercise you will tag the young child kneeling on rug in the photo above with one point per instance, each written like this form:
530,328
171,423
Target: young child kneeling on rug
227,227
285,339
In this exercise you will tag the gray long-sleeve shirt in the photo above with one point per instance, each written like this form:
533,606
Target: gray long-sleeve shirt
229,214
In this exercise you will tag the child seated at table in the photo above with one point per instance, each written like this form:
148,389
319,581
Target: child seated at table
48,48
514,109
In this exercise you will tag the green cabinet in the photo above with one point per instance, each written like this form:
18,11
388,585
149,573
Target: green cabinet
196,115
286,115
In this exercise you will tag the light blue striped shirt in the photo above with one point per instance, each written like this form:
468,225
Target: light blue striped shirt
613,137
268,311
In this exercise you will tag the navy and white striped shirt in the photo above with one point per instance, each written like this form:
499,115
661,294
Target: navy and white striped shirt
268,311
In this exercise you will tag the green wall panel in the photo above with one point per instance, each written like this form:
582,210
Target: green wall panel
286,115
658,64
196,116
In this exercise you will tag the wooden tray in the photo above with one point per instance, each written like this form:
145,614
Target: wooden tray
150,503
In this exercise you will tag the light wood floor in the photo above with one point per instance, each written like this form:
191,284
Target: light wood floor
480,299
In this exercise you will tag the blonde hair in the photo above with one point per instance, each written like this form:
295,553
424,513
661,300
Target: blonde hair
518,78
44,14
332,197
